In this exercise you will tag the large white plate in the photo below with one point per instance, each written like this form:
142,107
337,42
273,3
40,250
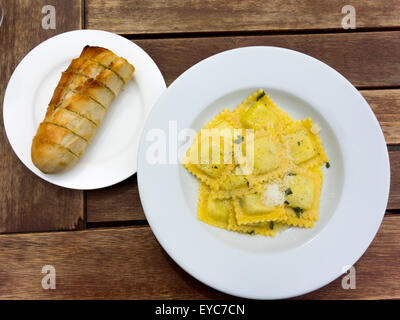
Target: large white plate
355,190
112,155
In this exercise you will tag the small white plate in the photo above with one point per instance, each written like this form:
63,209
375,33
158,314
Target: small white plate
112,155
355,190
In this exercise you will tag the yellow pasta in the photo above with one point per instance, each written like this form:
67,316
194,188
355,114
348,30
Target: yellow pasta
303,146
215,212
302,197
259,170
220,213
232,186
268,228
250,208
268,159
209,159
259,112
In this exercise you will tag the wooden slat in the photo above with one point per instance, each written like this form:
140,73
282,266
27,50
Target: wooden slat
120,202
128,263
367,59
176,16
109,263
377,272
28,203
394,196
386,106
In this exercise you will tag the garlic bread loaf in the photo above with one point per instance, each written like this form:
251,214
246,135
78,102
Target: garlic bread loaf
78,106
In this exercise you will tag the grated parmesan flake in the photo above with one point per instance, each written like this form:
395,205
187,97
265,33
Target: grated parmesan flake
315,129
273,196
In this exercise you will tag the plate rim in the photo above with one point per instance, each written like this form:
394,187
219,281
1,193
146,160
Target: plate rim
88,32
198,276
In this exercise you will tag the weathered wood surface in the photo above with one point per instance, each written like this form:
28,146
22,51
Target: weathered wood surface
367,59
199,16
386,106
377,271
128,263
120,202
28,203
394,195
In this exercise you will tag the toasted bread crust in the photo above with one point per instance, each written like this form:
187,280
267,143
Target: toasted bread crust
50,157
63,137
95,70
99,54
96,90
85,106
110,60
74,122
123,68
78,106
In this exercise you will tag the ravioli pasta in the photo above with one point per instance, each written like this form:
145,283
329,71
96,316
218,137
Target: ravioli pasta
260,171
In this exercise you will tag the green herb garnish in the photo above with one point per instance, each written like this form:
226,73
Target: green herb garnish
251,232
271,225
286,202
298,211
238,140
327,165
291,174
298,143
262,94
288,191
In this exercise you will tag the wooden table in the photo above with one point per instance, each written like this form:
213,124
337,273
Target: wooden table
99,241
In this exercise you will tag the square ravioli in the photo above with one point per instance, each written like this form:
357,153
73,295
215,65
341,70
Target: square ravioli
220,213
302,196
251,208
258,111
265,158
215,212
233,185
268,228
259,170
210,157
303,144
